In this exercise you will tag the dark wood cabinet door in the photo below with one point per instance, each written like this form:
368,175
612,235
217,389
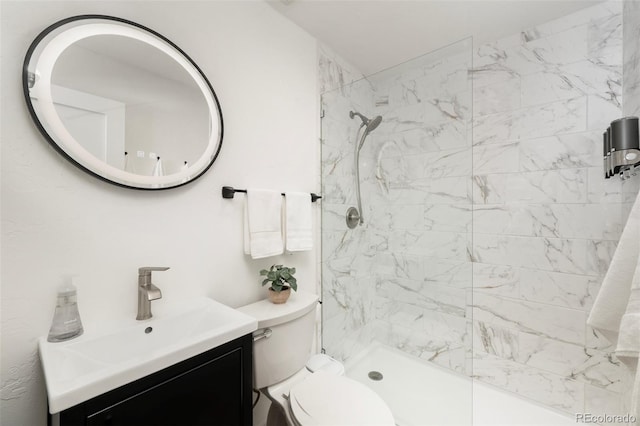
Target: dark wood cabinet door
210,389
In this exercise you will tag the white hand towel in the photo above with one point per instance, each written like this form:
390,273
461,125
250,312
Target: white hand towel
616,310
628,349
263,224
298,221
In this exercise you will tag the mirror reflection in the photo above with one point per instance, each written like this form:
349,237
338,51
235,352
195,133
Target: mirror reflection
123,104
128,112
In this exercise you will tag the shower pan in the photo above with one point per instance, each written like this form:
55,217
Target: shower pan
354,215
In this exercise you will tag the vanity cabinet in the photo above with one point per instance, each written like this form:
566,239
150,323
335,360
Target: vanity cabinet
213,388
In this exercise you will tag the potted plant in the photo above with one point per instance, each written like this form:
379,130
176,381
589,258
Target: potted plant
282,281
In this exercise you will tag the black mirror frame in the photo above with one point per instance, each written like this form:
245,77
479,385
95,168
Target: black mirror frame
52,142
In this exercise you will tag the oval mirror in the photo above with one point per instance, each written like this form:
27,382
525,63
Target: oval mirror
122,102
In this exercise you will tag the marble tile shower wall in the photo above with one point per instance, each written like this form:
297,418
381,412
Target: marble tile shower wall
482,251
545,222
631,36
348,256
401,277
417,191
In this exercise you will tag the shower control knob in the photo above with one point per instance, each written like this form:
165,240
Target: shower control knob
353,217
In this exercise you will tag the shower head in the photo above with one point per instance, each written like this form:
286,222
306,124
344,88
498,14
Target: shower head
370,124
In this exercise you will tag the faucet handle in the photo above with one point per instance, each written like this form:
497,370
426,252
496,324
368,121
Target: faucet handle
144,274
146,270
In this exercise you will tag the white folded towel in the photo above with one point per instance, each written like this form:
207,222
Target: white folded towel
263,223
616,310
298,221
628,349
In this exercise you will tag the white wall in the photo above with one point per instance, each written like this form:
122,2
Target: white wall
57,220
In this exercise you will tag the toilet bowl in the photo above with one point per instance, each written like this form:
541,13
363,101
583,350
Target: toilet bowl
305,390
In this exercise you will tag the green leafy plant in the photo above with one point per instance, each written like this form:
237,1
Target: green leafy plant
280,278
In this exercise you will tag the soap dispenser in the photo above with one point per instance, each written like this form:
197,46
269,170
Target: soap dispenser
66,319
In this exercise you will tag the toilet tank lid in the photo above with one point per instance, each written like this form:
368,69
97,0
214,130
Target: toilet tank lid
269,314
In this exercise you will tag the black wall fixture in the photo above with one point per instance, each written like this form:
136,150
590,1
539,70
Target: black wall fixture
622,148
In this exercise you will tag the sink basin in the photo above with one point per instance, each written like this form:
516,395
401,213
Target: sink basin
90,365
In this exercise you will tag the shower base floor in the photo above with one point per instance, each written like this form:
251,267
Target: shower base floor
421,394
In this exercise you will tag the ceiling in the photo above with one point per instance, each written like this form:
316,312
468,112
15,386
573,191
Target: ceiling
377,34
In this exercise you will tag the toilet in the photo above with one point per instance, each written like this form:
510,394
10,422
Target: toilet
305,390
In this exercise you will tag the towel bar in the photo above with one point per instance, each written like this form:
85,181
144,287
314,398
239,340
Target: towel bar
229,192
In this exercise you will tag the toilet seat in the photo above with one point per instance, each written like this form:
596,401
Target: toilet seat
326,399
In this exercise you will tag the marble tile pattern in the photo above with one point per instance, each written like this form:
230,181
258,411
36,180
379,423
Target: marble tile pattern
334,73
545,221
348,257
631,66
404,275
488,223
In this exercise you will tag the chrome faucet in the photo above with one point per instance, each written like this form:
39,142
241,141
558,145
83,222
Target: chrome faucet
147,291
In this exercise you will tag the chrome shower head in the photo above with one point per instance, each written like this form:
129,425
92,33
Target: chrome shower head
370,124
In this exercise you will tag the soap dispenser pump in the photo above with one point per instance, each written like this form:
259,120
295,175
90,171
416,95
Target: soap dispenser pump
66,319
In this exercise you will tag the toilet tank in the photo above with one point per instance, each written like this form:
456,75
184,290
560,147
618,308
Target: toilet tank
288,347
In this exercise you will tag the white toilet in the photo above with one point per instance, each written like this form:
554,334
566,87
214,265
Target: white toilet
305,390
